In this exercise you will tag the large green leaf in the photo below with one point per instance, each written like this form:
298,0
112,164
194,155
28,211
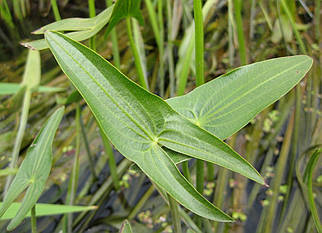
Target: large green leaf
34,170
124,9
139,123
45,210
81,28
226,104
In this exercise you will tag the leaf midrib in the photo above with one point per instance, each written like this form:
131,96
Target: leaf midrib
240,106
208,116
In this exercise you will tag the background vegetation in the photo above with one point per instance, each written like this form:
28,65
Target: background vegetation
279,142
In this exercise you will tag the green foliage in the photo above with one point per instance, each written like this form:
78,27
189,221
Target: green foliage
148,123
125,9
34,171
44,210
309,170
226,104
13,88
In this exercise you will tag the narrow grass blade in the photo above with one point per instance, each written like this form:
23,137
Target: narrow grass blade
45,210
310,168
13,88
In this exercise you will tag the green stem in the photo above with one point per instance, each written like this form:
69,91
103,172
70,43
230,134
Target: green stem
73,181
140,203
294,150
240,32
267,221
161,48
200,175
221,185
92,13
314,159
115,47
199,42
33,220
87,148
296,32
170,50
153,21
185,170
200,79
183,76
19,138
111,160
317,16
176,220
55,10
210,171
135,52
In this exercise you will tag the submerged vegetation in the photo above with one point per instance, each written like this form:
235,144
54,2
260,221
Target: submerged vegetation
160,116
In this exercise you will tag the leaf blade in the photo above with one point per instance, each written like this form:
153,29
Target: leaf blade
45,210
170,179
231,91
131,117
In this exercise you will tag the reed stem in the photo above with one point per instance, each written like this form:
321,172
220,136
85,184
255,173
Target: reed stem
33,220
135,52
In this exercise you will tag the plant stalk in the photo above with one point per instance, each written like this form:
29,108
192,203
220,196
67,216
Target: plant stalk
135,52
92,13
240,31
140,203
200,79
33,220
115,47
55,10
269,218
176,220
19,138
111,160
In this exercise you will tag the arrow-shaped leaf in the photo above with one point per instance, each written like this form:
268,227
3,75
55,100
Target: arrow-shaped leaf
139,123
226,104
34,170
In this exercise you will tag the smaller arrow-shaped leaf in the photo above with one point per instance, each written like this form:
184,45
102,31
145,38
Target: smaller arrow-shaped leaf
123,9
34,170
